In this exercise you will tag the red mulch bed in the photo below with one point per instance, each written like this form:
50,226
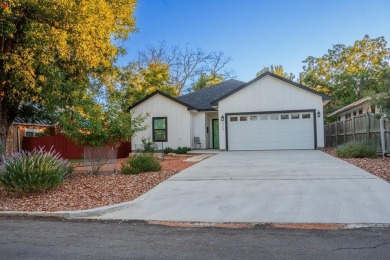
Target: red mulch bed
376,166
85,191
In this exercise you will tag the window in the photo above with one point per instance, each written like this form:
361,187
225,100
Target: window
305,116
373,109
274,117
263,117
284,117
253,118
30,132
233,119
160,129
360,111
295,116
243,118
354,113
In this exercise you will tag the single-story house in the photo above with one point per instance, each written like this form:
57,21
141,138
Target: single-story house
26,127
354,109
266,113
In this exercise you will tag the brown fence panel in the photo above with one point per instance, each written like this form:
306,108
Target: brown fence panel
57,142
124,149
358,128
65,147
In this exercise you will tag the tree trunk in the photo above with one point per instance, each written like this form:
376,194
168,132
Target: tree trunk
7,117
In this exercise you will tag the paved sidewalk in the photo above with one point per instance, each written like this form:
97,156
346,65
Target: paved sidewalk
266,186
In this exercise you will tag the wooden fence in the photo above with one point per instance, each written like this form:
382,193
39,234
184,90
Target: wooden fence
358,128
66,148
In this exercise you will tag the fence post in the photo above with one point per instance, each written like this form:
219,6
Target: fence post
344,132
336,133
368,125
353,128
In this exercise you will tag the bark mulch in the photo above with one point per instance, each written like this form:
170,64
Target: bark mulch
376,166
86,191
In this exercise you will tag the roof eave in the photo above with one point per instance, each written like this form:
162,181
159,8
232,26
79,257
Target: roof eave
323,96
164,95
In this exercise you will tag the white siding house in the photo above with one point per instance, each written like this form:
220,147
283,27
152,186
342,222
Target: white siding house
272,95
178,119
267,113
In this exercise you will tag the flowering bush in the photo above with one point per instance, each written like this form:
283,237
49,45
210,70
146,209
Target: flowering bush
34,171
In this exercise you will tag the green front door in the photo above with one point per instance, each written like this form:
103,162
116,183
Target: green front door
215,133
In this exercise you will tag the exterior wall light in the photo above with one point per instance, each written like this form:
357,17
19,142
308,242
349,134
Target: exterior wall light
222,118
318,113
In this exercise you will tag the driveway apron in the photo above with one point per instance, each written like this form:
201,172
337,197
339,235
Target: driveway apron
296,186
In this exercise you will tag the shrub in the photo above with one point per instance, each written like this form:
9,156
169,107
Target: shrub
182,150
148,146
168,150
357,150
138,163
34,171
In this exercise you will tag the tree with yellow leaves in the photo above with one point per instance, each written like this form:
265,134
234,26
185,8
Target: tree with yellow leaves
52,51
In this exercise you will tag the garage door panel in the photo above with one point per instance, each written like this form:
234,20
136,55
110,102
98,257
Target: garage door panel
271,134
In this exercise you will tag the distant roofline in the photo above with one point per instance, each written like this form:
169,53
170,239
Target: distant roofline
350,106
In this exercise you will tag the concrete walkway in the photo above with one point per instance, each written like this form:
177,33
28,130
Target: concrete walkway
266,186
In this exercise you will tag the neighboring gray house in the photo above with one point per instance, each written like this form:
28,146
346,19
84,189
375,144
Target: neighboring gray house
266,113
354,109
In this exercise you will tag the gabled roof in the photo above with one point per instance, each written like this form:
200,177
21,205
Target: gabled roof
350,106
164,95
324,97
203,98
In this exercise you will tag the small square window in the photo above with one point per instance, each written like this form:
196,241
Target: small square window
284,117
253,118
305,116
263,117
354,113
295,116
373,109
243,118
360,111
274,117
233,119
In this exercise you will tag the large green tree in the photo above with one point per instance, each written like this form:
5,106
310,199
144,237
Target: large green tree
139,80
186,65
348,73
205,80
278,70
52,51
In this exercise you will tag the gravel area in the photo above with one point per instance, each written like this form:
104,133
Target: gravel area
376,166
86,191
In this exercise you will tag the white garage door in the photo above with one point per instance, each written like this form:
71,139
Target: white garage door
275,131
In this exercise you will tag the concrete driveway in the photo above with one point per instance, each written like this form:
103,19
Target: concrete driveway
266,186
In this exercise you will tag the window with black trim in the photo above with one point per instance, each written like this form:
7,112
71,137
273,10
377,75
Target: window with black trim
160,129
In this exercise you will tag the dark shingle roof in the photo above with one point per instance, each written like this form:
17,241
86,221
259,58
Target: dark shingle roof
203,98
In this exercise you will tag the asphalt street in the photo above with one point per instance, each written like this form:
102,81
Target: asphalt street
60,239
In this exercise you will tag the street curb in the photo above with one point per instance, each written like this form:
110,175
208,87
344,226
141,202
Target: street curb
67,214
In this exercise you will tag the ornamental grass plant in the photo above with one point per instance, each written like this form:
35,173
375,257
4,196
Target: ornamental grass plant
36,171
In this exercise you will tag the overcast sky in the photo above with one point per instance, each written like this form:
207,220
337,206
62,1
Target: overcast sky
258,33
